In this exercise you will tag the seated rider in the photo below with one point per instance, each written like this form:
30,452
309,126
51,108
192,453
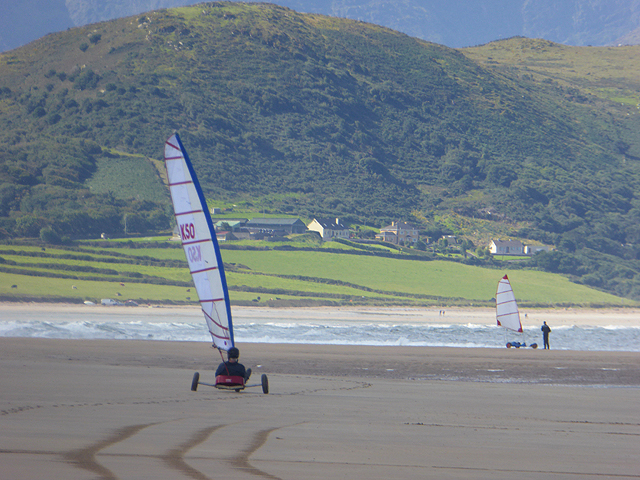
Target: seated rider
232,367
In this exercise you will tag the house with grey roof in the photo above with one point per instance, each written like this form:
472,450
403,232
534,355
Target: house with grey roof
329,229
403,233
506,247
276,226
386,236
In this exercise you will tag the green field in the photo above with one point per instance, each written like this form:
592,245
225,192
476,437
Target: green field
157,273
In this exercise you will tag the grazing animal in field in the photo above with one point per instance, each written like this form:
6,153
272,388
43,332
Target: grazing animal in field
14,286
74,287
121,284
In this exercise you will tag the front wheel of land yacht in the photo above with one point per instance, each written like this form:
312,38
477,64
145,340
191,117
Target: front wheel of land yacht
265,383
194,382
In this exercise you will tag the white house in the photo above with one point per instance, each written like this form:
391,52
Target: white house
451,239
329,229
389,237
506,247
399,232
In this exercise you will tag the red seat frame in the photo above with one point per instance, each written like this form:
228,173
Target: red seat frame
230,382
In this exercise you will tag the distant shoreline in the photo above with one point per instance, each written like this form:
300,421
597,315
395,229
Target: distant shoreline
626,317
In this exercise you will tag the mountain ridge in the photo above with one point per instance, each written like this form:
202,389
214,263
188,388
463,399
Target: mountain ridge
458,23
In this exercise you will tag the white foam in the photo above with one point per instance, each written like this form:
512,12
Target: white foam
343,333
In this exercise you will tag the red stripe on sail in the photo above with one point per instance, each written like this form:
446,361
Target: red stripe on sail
173,158
213,300
205,270
196,241
214,322
218,336
186,182
187,213
172,145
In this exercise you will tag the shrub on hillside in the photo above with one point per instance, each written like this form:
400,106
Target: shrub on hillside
48,235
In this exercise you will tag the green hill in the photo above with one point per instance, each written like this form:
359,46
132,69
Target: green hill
310,115
156,272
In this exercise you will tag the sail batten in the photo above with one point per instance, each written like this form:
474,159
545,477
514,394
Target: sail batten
194,242
187,213
204,270
199,243
217,324
214,300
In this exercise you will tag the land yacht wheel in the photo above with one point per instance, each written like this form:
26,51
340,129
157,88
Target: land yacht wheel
194,382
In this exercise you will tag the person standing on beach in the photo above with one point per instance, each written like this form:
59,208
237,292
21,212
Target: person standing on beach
545,335
232,367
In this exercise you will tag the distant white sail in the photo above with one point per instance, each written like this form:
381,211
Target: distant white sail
199,243
507,312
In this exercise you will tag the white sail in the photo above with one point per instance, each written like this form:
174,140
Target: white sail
199,243
507,312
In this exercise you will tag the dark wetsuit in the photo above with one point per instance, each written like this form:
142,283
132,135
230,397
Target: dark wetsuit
234,369
545,335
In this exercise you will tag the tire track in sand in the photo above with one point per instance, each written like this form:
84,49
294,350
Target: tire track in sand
174,458
85,458
241,461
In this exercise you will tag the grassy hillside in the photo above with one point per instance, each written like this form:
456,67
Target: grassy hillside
609,74
308,115
156,272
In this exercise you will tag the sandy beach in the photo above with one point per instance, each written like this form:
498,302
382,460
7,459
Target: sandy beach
435,315
123,409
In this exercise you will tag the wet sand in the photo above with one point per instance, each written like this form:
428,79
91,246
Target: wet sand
107,409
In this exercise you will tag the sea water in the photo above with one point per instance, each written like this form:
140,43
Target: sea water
88,326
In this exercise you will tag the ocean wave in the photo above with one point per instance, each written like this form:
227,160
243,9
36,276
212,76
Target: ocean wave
344,333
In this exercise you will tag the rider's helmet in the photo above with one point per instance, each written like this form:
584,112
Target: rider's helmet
233,352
